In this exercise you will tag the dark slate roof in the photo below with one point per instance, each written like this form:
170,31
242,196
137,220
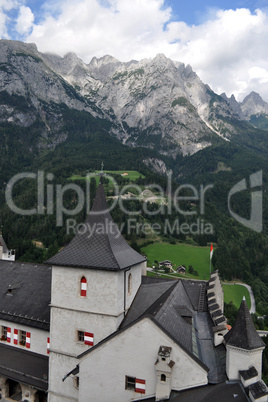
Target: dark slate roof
216,313
25,293
250,373
176,312
168,317
147,295
211,294
258,389
219,320
193,290
213,393
243,333
213,307
99,243
213,357
171,304
24,366
3,244
211,301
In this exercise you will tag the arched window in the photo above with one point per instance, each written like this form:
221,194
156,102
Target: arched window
163,378
83,287
129,287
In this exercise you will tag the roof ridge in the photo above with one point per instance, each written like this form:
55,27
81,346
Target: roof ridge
157,304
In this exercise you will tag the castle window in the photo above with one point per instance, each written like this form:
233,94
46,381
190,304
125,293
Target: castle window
25,339
80,336
130,382
22,338
76,382
129,284
4,334
135,384
83,287
163,378
86,337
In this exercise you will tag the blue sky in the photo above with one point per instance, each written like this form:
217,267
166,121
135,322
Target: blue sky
225,42
197,11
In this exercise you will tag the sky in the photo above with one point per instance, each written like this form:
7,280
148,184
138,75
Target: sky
225,42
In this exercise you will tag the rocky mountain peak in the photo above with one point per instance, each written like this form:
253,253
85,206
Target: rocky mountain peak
254,104
234,105
156,103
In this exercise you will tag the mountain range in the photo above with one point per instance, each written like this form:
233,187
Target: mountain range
156,103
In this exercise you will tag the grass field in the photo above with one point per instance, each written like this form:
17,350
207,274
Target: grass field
132,175
235,294
198,257
180,254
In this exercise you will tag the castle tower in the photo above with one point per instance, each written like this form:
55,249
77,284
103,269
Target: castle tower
244,346
94,281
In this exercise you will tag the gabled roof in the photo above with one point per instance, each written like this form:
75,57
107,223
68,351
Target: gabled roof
243,333
136,322
25,293
171,304
100,244
149,292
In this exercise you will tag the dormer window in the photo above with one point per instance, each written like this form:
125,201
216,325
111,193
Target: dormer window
83,287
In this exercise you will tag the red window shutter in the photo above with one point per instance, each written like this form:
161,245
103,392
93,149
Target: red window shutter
140,386
83,287
89,338
48,345
28,340
8,334
16,331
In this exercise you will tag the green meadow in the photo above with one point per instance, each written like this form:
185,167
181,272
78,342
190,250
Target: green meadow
235,293
180,254
132,175
198,257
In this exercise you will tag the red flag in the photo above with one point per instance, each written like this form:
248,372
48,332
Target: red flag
211,250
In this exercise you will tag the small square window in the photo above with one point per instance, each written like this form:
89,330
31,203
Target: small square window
130,382
80,336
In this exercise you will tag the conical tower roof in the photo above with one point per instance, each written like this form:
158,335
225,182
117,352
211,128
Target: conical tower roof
243,334
99,243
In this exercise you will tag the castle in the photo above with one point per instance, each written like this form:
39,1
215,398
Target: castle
89,325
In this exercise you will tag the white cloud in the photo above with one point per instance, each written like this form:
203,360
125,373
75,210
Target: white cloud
25,20
5,7
228,50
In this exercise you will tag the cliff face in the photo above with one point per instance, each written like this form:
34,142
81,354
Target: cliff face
158,103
